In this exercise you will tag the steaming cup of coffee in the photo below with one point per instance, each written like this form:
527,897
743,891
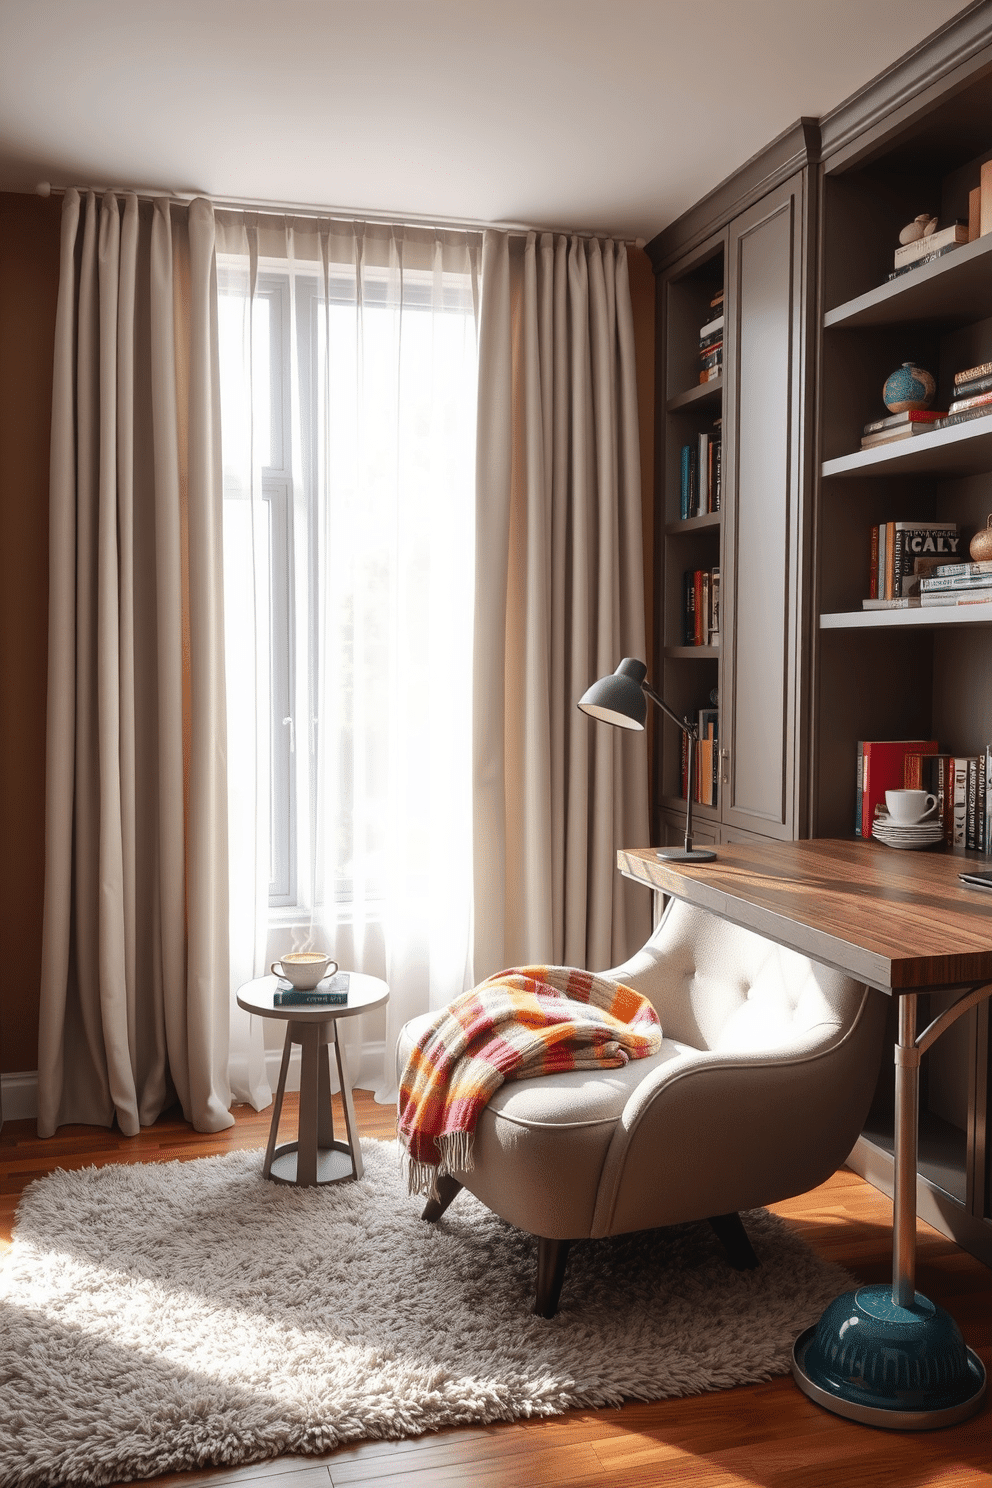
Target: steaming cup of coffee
906,807
304,969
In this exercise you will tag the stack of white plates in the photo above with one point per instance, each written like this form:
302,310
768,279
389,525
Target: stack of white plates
894,834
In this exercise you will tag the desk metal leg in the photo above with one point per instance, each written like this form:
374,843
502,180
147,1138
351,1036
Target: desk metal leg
907,1122
888,1356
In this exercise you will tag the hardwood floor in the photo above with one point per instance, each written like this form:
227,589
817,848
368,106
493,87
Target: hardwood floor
767,1434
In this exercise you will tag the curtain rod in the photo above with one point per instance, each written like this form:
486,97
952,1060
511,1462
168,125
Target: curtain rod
339,214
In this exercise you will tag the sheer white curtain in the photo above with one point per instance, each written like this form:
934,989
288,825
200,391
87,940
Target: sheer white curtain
349,374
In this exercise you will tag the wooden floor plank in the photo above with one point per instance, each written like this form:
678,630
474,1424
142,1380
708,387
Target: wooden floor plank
758,1436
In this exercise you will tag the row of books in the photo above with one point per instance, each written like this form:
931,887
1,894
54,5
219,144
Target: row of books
711,341
962,785
701,607
706,765
901,554
972,399
701,475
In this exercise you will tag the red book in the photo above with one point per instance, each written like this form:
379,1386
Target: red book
884,770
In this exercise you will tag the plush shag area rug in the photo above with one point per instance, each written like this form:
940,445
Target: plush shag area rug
157,1317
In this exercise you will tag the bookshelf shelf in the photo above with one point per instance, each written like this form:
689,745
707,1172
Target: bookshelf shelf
953,291
707,522
699,811
704,396
692,653
964,449
921,619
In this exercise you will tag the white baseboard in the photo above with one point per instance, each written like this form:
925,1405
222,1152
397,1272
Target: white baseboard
19,1091
19,1095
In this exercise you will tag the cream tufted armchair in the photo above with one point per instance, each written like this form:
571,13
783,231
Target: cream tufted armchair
759,1091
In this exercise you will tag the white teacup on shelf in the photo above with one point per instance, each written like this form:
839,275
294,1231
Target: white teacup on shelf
304,969
906,807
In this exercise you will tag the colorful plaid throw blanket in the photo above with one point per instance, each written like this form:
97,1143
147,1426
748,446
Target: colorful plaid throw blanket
531,1020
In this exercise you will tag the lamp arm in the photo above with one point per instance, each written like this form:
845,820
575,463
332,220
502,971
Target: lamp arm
683,723
692,733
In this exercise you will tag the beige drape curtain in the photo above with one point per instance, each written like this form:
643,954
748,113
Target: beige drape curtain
134,997
559,602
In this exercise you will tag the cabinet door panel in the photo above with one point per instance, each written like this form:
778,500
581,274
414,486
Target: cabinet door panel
765,346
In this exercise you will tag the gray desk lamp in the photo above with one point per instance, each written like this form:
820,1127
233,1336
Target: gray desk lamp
619,699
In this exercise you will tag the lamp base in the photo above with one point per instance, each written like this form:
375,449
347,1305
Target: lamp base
905,1368
685,855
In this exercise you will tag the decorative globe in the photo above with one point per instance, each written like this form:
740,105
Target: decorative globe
908,387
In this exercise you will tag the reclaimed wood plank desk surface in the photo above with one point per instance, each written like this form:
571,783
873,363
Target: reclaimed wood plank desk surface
900,921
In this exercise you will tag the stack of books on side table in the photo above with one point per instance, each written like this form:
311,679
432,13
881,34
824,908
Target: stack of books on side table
901,555
331,992
711,341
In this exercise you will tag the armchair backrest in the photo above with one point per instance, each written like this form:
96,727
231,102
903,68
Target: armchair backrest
716,986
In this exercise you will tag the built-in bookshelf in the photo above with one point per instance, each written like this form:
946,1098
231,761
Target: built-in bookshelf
690,673
916,672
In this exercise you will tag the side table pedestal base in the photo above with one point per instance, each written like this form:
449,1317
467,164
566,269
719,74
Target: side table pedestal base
316,1157
334,1164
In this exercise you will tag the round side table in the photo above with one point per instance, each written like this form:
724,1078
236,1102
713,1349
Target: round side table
316,1157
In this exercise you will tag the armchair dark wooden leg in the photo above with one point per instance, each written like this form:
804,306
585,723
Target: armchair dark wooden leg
732,1236
552,1256
448,1188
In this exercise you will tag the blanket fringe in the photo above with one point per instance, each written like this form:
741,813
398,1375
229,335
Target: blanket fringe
457,1155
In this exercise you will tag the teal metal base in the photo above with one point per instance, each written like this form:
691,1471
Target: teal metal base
904,1368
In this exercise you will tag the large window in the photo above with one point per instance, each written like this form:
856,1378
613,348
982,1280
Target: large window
348,410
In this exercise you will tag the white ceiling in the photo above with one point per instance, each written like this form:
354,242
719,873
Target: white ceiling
612,116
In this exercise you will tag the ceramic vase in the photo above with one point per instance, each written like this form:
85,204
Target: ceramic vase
981,544
908,387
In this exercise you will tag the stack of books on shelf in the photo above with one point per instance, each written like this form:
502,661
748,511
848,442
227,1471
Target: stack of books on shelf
909,256
701,475
706,767
701,607
972,396
900,426
901,556
957,584
962,785
711,341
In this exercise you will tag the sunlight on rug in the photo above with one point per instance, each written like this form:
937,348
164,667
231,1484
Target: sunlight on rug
157,1317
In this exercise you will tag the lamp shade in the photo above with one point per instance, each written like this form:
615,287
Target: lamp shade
618,699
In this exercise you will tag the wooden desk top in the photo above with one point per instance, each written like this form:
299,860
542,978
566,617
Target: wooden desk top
901,921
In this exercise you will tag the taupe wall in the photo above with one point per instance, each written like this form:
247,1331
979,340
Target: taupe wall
29,266
29,252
